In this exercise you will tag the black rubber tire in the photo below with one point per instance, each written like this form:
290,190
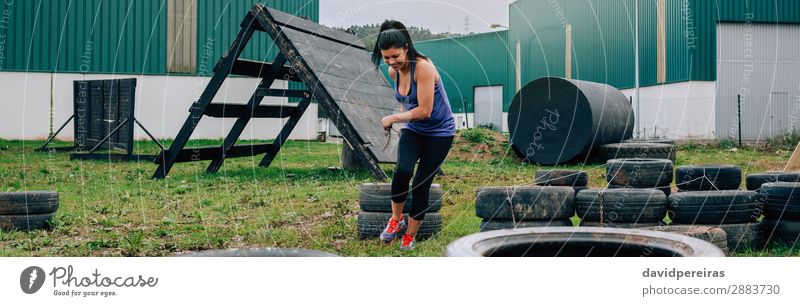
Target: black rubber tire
708,177
259,252
25,222
579,242
377,197
570,178
525,203
714,235
371,224
639,172
620,225
579,188
492,225
753,181
781,200
637,150
28,202
714,207
667,190
744,236
785,231
621,205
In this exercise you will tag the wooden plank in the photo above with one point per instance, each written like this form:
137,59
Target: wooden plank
259,69
349,85
294,22
364,99
215,152
112,157
286,93
794,160
323,97
222,110
337,59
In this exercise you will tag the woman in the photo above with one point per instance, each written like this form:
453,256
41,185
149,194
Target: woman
427,134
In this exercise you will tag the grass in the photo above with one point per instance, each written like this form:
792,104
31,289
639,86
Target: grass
115,209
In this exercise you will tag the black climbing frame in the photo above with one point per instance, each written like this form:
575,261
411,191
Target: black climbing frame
103,115
337,72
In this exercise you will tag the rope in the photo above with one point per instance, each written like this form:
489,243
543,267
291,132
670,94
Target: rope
389,136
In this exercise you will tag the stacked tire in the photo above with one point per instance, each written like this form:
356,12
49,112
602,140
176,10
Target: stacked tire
713,235
638,150
753,181
623,208
640,173
524,206
578,180
734,211
25,211
708,177
375,201
782,211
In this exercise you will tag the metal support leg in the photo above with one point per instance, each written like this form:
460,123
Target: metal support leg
114,131
49,140
148,134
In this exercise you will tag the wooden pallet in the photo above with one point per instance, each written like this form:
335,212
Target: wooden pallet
337,72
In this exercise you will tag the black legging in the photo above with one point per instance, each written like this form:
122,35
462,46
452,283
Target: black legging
431,152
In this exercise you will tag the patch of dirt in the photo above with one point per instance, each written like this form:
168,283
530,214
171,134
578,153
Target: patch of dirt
481,145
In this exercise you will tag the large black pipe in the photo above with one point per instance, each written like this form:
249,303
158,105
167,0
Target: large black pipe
554,120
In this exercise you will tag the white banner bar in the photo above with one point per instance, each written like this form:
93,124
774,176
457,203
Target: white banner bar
376,281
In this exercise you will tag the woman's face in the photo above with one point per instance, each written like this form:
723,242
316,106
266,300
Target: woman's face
394,57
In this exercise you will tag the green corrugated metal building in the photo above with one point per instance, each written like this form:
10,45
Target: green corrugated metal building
128,36
470,61
602,35
678,57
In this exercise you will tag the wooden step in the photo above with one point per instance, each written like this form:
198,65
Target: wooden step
259,69
223,110
215,152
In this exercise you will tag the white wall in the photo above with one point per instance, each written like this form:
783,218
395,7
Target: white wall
684,110
162,105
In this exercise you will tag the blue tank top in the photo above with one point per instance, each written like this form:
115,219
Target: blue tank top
441,122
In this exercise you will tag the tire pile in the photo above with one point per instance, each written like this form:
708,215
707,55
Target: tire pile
26,211
578,180
524,206
624,208
709,204
734,211
782,211
375,201
638,173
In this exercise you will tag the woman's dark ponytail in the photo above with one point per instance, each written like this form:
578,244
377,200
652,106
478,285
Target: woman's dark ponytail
394,34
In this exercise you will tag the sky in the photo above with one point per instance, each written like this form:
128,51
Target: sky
436,15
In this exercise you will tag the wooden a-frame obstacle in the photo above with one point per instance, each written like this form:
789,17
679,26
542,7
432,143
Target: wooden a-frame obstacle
337,72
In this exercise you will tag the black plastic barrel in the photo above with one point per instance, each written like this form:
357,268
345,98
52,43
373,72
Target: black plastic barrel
554,120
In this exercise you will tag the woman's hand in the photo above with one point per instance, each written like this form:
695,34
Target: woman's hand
386,122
